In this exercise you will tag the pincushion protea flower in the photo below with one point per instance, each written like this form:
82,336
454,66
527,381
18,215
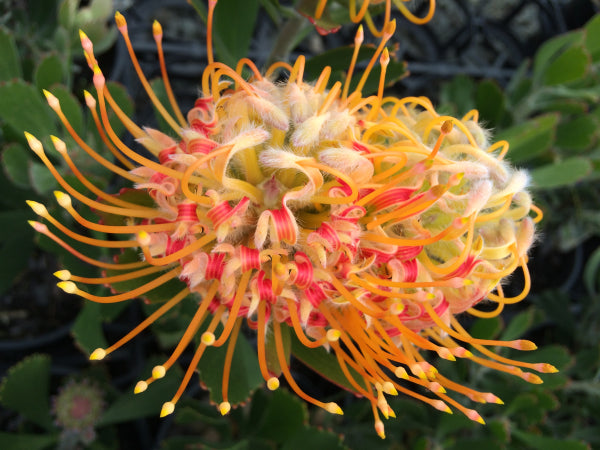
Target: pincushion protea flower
364,224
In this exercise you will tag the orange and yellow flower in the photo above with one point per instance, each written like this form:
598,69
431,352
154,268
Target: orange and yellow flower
364,224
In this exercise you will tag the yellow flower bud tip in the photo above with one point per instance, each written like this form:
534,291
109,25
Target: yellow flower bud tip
98,354
491,398
441,406
418,371
333,408
82,35
59,145
475,417
37,208
467,282
389,388
523,344
545,368
157,29
384,59
333,335
38,226
444,353
63,275
397,308
400,372
98,79
389,29
391,412
531,378
437,388
167,408
143,238
34,144
360,36
53,102
158,372
120,21
68,286
208,338
273,383
224,408
63,199
380,429
90,101
140,387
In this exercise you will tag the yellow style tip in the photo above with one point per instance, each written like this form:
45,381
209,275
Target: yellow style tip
63,275
98,354
90,101
334,408
37,208
63,199
208,338
68,286
144,238
389,388
224,408
523,344
34,144
380,429
59,145
157,29
400,372
38,226
120,20
273,383
140,387
167,408
158,372
333,335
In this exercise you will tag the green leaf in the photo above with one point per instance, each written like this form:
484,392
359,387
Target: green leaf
15,162
460,93
22,108
562,173
25,390
592,37
245,374
530,139
490,102
16,245
324,363
87,329
234,23
578,133
486,328
312,438
48,72
571,65
67,12
541,442
550,50
41,179
518,325
10,66
130,406
284,415
271,350
23,441
70,107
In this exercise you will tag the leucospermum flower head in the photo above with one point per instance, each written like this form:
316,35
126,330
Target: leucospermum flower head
363,224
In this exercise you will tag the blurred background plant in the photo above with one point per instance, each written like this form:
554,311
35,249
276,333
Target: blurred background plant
539,92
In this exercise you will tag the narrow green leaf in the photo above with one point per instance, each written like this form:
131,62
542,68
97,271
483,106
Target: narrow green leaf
25,390
571,65
271,350
592,37
87,329
22,107
562,173
49,71
324,363
245,374
15,162
23,441
234,23
284,416
10,66
530,139
551,49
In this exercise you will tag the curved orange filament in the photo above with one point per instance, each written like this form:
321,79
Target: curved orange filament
187,250
235,308
387,34
260,341
358,39
414,19
372,310
524,292
197,356
229,357
117,278
132,293
298,328
149,320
